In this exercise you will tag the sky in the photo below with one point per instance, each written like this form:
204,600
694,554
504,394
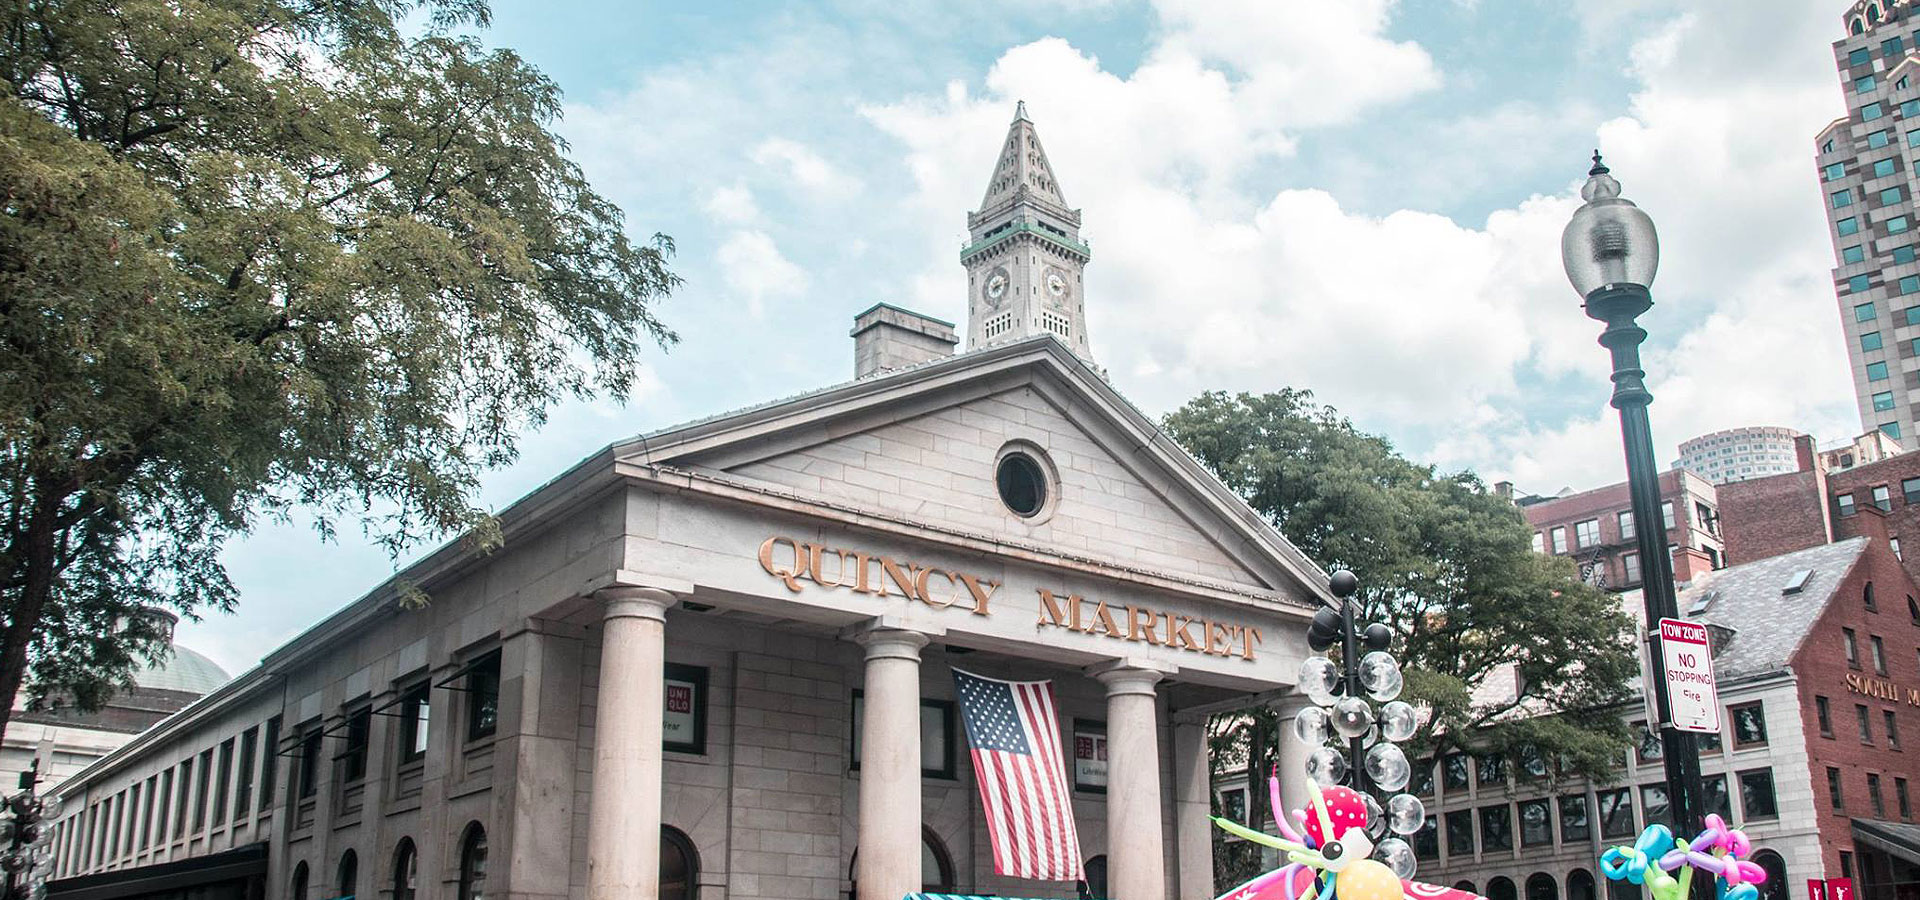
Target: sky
1361,198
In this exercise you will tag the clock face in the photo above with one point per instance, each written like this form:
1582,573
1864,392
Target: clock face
1057,287
996,287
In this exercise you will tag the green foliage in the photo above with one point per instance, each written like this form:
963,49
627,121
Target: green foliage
1447,564
265,254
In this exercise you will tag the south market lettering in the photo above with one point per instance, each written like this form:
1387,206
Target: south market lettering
797,562
1881,690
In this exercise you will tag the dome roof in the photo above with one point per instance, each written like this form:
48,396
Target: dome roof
186,671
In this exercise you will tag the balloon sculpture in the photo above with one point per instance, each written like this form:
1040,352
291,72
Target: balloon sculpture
1718,851
1328,855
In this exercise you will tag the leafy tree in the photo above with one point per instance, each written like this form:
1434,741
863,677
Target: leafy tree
260,254
1446,564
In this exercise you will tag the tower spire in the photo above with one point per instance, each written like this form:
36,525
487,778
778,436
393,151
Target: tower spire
1024,256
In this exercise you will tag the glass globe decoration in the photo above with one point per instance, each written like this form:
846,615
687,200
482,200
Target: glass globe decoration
1609,240
1398,720
1387,767
1352,717
1376,819
1397,855
1312,726
1380,675
1326,766
1318,678
1405,814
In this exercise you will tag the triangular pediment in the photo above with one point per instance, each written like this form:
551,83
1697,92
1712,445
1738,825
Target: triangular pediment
922,446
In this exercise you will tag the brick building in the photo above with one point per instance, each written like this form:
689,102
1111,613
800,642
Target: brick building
1595,528
1768,516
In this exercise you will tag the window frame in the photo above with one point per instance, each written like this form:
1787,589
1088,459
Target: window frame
1733,720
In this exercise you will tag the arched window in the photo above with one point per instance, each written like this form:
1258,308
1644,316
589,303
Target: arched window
1776,869
345,884
1866,598
936,867
299,891
1913,610
1467,886
1580,885
473,863
1540,886
1502,889
406,870
1859,27
679,865
1097,876
1622,890
1873,14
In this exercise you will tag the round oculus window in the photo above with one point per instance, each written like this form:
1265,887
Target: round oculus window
1023,484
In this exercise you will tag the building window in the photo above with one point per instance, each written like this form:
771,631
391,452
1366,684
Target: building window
1846,864
1426,841
1666,515
1891,725
1756,795
1454,773
202,790
416,721
1559,534
1890,196
1496,828
1897,225
220,784
1587,533
406,870
1539,542
1824,715
1879,649
347,877
1837,171
1616,813
1647,750
1575,826
1882,168
1871,341
1890,429
1866,598
1843,504
1460,834
1863,84
353,756
1630,566
1882,401
1906,254
299,889
243,792
483,697
1422,782
473,863
1834,794
1864,721
1841,197
1848,225
1749,725
1852,646
1491,770
180,798
1891,48
1536,823
1714,791
1910,489
269,762
1540,886
1021,479
1855,254
1654,804
1871,112
1873,796
309,760
1625,518
1879,139
1901,800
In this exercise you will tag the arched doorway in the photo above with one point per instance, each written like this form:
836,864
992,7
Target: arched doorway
936,867
1776,869
298,891
473,862
1467,886
1502,888
1540,886
406,870
1097,876
679,865
1622,890
347,876
1580,885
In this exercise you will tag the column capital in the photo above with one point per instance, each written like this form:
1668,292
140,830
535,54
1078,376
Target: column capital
1290,705
624,601
887,642
1130,676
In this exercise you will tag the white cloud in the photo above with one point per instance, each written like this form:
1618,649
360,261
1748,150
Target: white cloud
803,167
755,270
733,205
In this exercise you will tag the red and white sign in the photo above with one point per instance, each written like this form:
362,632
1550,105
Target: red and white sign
1839,889
1692,698
1816,889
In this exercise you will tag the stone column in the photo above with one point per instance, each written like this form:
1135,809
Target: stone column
1192,804
1136,850
1292,757
889,865
623,824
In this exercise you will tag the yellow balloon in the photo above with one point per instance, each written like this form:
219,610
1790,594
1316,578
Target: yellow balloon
1367,879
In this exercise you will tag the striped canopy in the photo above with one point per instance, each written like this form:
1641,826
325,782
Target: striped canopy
952,897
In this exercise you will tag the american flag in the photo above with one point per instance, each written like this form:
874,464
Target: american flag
1015,735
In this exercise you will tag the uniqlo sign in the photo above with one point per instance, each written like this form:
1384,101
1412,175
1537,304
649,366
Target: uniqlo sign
1692,699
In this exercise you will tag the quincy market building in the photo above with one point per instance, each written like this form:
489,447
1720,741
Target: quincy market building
714,660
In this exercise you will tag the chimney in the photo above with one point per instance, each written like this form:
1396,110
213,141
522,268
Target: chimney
1503,490
1689,562
887,337
1803,452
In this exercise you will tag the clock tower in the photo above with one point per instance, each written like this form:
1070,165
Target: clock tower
1024,256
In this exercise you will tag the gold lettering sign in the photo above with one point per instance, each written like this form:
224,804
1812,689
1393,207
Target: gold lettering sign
794,562
1881,689
797,563
1142,624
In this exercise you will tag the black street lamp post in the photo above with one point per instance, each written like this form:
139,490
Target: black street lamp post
1611,252
23,835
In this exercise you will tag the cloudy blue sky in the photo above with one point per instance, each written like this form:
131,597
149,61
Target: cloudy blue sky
1359,197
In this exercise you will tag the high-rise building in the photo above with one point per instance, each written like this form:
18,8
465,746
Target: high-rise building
1737,454
1867,180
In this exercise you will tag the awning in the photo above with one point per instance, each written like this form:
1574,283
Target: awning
237,864
1894,838
954,897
